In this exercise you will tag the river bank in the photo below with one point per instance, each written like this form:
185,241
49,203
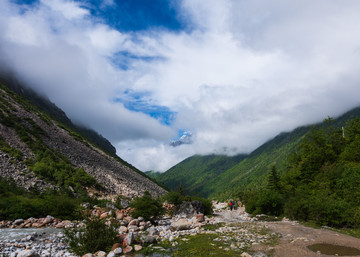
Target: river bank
226,233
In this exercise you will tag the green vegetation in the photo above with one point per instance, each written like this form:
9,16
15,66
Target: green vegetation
17,203
218,240
147,207
322,182
48,164
17,154
217,177
177,198
94,236
196,174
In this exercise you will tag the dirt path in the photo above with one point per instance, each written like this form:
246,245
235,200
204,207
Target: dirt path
294,238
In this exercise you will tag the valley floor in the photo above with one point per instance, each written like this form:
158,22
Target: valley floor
227,233
293,238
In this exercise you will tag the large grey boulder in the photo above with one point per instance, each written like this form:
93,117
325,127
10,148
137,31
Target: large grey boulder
189,209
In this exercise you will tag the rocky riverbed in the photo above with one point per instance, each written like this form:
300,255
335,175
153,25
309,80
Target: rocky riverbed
28,242
226,233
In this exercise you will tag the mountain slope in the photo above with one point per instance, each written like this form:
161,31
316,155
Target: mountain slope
38,151
194,173
251,171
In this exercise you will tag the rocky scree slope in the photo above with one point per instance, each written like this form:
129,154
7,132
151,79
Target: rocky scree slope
22,125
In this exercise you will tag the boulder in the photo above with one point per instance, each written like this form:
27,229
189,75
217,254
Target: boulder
18,221
127,249
200,217
104,215
100,254
124,203
123,230
119,215
181,224
128,240
128,219
88,255
134,222
48,219
148,239
117,251
27,253
137,248
189,209
37,225
116,245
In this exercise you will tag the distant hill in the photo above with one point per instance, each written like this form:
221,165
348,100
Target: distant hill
213,175
152,174
41,148
196,173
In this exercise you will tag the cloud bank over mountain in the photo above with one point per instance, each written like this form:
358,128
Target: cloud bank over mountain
230,73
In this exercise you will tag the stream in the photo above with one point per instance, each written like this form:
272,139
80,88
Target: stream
19,233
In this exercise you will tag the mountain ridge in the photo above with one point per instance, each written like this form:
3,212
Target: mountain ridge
33,142
251,171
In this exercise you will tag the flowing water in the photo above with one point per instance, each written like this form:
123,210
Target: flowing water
330,249
18,233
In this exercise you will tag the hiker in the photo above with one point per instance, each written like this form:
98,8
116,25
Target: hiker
235,206
231,205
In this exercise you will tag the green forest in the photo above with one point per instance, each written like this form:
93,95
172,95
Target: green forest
321,183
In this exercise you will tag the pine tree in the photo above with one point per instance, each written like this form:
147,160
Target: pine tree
274,180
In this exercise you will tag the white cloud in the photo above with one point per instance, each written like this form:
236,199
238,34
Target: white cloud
247,71
69,9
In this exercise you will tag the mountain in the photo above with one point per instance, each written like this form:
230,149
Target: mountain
213,175
152,174
197,172
41,148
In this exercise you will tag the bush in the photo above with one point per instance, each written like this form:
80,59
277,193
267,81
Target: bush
94,236
270,202
173,197
147,207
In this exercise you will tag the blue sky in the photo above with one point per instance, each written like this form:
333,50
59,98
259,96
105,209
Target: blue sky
130,15
229,74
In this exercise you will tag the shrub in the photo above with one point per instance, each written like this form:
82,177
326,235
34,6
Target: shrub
173,197
93,237
147,207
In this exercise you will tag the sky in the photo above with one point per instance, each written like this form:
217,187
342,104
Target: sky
167,79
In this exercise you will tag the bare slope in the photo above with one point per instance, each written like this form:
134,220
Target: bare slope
27,133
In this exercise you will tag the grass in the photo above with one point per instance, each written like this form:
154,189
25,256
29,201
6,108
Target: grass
229,242
355,232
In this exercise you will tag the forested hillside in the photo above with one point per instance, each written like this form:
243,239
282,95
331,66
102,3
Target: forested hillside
196,173
322,181
220,178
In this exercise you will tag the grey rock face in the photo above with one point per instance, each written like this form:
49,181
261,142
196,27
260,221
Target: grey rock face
189,209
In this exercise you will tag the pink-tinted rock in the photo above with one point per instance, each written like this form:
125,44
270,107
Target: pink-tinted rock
128,218
104,215
116,245
200,217
127,249
88,255
119,215
137,248
134,222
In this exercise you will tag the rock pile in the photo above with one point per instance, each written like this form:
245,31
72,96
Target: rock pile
48,221
36,245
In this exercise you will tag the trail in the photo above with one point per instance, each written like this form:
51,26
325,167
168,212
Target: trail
294,237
